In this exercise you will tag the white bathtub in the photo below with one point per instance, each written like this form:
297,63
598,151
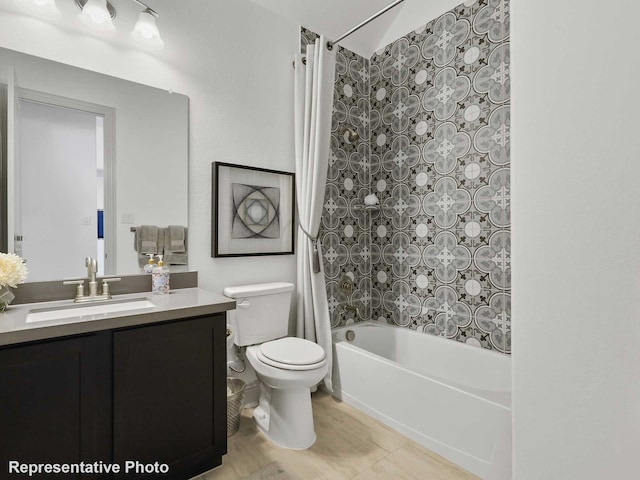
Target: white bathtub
452,398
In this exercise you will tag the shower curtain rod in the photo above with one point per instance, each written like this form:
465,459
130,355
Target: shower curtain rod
359,26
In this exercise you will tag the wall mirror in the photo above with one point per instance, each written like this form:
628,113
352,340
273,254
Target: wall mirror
86,158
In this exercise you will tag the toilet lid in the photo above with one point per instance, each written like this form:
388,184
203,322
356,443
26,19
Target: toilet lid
286,366
293,351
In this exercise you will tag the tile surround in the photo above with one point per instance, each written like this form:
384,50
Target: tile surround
345,228
432,113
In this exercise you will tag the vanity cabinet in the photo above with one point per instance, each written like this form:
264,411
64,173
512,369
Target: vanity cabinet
54,402
153,393
169,396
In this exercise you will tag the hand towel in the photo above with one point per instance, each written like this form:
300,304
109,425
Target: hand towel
175,237
147,239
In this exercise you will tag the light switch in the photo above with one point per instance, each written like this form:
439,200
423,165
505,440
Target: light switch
128,218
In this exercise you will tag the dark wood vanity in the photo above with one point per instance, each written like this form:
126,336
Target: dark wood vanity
145,393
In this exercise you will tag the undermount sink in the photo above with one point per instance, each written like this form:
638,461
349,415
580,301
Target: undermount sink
92,311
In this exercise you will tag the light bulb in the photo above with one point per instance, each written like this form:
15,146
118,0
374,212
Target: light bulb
97,18
146,32
97,11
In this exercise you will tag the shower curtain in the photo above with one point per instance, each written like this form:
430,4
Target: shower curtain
313,90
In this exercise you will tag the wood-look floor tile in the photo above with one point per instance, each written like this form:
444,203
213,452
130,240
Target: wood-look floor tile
223,472
454,470
361,423
309,466
247,451
343,441
350,445
409,463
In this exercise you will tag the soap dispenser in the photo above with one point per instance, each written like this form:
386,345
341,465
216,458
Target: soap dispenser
160,278
151,264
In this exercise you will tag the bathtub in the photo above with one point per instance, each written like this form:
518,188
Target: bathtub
452,398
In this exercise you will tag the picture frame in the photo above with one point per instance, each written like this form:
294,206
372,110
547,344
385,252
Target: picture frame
254,211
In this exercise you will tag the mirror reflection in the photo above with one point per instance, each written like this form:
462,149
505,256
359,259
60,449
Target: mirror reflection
87,159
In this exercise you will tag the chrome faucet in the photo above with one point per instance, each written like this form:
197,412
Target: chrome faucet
92,269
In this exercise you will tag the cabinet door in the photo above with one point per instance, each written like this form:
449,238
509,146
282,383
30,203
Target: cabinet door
53,399
169,396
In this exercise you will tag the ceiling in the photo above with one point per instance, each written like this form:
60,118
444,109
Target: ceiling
335,17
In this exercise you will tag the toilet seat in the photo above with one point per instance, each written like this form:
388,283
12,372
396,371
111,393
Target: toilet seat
286,366
291,353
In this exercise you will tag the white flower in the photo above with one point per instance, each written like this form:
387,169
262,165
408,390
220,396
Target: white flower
12,270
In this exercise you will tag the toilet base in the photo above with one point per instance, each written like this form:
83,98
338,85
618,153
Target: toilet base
286,418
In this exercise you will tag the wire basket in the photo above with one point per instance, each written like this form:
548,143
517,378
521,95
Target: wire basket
235,397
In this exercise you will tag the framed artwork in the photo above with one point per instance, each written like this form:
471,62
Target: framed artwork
254,211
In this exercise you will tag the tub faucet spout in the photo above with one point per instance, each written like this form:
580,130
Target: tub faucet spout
352,308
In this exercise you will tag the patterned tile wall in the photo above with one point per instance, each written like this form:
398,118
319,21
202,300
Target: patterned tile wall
434,108
345,231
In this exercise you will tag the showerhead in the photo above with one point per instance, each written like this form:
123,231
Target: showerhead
352,136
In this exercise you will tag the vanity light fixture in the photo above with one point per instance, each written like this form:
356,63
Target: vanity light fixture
96,15
40,8
146,32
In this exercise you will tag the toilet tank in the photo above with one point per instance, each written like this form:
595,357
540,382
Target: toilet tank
262,312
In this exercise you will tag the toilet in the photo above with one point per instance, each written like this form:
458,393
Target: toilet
287,367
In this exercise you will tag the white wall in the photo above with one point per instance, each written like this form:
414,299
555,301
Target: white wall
234,61
576,239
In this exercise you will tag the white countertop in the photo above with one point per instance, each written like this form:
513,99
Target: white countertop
182,303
